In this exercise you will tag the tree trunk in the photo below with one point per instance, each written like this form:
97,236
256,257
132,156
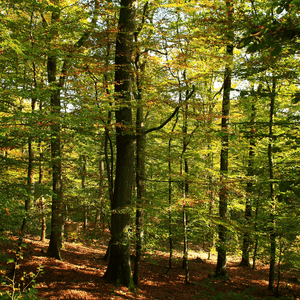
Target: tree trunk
170,208
30,170
55,88
56,216
83,170
170,198
99,215
223,194
41,201
272,227
185,192
119,268
248,209
256,235
140,171
221,247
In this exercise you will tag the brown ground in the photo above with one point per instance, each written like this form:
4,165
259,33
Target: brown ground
79,276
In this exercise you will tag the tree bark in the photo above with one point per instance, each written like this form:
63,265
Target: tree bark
140,171
41,198
119,268
272,227
221,247
30,170
185,192
223,193
170,220
83,170
248,208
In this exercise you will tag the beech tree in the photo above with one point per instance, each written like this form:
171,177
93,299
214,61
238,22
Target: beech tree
119,267
56,81
223,198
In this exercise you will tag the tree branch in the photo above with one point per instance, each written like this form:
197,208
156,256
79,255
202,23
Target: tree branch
172,115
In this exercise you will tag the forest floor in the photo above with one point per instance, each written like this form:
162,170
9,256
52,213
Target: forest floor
80,276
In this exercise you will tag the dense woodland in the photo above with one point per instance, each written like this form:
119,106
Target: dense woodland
171,125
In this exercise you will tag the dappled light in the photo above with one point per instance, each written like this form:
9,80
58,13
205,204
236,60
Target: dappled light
80,276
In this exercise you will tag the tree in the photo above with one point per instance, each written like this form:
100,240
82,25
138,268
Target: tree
249,189
140,151
119,268
223,194
56,81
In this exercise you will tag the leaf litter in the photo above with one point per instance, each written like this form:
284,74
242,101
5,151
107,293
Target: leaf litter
80,276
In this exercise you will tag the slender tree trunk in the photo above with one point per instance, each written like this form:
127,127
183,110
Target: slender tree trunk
119,268
99,215
140,171
223,194
41,199
140,153
281,252
256,235
211,231
30,170
170,198
248,209
55,88
30,185
272,227
108,144
83,177
170,208
210,157
141,191
185,192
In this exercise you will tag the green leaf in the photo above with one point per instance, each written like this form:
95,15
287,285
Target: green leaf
296,2
279,10
252,48
276,51
247,41
296,98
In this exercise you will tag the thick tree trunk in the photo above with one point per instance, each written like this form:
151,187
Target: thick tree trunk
56,217
119,268
57,196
